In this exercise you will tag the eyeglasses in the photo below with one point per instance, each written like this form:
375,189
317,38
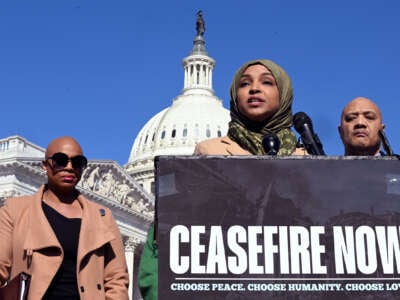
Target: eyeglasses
60,161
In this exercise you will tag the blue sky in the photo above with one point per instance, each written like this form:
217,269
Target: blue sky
99,70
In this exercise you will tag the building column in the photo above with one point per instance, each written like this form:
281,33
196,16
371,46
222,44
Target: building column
130,245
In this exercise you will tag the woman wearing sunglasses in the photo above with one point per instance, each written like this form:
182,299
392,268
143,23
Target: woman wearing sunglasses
70,246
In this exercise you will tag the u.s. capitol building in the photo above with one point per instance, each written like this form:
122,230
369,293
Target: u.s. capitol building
196,114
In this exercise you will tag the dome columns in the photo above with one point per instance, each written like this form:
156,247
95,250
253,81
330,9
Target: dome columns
198,75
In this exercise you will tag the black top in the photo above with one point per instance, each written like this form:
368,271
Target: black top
64,284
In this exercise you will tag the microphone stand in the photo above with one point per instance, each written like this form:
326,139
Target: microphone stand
386,145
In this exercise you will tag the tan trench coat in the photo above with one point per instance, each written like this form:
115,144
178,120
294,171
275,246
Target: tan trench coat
29,244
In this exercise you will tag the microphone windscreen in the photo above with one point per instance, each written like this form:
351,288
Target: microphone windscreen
299,119
271,143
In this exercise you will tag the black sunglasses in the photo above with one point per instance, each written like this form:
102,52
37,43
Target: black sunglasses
60,161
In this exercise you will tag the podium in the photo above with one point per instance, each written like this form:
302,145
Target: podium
246,227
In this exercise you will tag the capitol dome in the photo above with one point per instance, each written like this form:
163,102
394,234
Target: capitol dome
195,115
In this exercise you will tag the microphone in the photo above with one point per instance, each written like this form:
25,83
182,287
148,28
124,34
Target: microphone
271,144
303,125
385,143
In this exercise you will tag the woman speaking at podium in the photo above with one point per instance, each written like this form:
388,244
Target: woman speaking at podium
260,106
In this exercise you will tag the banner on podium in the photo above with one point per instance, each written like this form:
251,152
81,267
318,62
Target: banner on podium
278,228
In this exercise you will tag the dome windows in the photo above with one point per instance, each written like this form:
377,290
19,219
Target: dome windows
219,133
208,131
177,134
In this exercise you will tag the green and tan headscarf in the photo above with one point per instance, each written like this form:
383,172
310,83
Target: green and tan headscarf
247,133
